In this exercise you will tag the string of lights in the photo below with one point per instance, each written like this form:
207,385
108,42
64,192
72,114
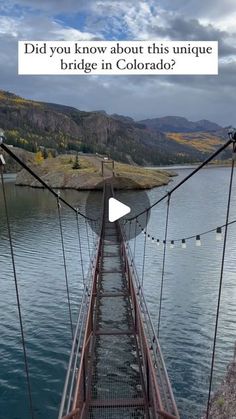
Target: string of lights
183,240
197,237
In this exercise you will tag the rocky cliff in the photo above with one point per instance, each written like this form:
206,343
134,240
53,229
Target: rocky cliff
30,124
223,402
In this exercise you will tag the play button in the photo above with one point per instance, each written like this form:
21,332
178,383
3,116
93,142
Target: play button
129,200
117,210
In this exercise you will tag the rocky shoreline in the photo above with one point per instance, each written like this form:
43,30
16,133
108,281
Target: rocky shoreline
223,402
58,173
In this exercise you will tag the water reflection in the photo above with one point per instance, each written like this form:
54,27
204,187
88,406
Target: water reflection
190,291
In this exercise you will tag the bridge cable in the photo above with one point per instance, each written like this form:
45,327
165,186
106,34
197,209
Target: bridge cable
163,263
39,179
129,232
203,164
93,226
80,248
135,233
221,280
88,241
144,252
64,263
17,297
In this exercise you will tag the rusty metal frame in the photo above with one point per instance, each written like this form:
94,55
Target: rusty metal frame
151,363
83,334
159,372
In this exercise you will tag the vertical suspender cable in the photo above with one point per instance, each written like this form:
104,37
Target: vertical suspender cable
80,248
65,267
124,230
93,232
135,233
163,264
221,279
144,250
129,231
88,241
17,298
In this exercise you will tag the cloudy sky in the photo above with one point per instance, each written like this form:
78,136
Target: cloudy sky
195,97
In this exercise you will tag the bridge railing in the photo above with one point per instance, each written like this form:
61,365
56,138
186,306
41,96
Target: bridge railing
157,384
75,393
78,357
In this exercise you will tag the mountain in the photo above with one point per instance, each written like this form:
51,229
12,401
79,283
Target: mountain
122,118
180,124
30,124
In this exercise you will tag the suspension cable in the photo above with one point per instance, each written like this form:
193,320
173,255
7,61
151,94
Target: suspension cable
80,248
129,231
163,263
93,227
65,266
144,252
204,163
39,179
17,296
88,241
221,281
135,234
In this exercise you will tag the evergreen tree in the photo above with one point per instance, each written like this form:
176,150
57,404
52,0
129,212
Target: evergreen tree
45,153
76,164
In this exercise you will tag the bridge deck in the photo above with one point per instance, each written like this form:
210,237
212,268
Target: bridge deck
117,388
116,368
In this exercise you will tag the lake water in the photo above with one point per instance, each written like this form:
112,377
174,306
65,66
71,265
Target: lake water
189,303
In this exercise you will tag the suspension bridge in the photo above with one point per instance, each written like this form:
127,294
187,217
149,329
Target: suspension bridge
116,367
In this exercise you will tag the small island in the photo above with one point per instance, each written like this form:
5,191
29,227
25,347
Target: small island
85,172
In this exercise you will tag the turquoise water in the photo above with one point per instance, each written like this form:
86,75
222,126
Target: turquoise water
189,304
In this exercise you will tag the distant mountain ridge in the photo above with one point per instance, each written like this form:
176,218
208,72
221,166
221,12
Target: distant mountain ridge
180,124
30,124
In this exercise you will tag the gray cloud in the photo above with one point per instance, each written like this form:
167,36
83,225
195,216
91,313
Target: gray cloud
209,9
179,28
195,97
60,6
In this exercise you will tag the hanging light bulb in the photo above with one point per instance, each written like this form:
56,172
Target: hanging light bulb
149,237
219,233
158,242
164,243
172,244
184,244
153,239
198,241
